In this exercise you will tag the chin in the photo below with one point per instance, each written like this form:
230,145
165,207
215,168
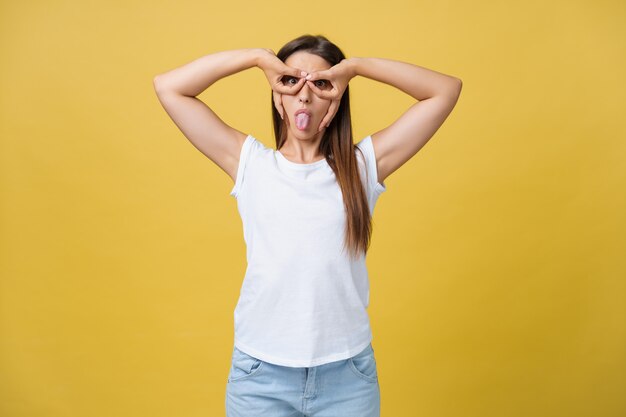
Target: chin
304,135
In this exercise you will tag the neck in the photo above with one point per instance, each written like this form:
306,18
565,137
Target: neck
302,150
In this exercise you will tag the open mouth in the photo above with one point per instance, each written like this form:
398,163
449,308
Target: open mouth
303,119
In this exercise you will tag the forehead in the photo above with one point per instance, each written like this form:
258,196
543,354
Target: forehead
307,61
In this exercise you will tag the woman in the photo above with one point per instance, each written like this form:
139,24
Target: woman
302,334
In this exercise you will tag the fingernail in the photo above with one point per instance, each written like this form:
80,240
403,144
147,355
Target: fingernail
303,73
308,77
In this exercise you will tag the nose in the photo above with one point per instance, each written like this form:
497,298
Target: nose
305,94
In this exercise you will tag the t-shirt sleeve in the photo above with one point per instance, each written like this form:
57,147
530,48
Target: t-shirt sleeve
244,157
374,188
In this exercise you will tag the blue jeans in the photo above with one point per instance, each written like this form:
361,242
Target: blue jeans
345,388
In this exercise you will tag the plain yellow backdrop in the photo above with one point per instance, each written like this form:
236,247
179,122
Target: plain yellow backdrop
497,264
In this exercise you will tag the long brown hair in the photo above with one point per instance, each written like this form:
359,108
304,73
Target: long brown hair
337,146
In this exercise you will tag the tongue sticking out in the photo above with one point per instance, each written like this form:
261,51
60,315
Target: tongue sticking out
302,121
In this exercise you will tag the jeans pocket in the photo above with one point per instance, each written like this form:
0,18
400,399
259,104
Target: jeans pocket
243,366
364,364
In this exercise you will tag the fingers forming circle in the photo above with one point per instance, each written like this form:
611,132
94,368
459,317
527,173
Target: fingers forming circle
328,95
278,104
288,89
334,106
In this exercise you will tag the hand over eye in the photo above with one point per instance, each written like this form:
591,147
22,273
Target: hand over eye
338,76
327,84
296,84
275,70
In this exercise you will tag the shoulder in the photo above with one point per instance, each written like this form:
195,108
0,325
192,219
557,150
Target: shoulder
251,147
365,146
365,152
367,157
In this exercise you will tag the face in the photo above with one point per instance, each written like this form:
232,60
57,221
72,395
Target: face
305,98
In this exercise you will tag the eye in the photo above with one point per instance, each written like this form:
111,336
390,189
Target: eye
323,83
288,80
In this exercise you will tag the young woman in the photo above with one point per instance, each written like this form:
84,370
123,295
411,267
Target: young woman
302,335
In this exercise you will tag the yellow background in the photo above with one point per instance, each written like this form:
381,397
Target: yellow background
497,268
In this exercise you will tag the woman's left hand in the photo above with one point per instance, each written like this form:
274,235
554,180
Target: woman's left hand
339,76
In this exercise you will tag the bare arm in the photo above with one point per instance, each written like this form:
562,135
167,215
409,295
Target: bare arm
176,91
436,93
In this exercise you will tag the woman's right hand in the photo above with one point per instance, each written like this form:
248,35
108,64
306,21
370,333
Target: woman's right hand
275,70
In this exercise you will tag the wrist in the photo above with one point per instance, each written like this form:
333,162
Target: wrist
259,54
352,64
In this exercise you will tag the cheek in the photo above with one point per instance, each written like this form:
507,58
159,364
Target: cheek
288,102
324,108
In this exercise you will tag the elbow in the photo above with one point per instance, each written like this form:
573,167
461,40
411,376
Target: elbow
157,83
458,85
451,88
455,88
452,91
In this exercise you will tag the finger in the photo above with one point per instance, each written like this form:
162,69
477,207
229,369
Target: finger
293,89
328,95
281,109
289,88
332,110
315,88
274,100
294,72
317,75
277,103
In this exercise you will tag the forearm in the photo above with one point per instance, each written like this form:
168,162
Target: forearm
419,82
193,78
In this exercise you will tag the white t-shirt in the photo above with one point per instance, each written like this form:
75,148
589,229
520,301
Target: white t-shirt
303,300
